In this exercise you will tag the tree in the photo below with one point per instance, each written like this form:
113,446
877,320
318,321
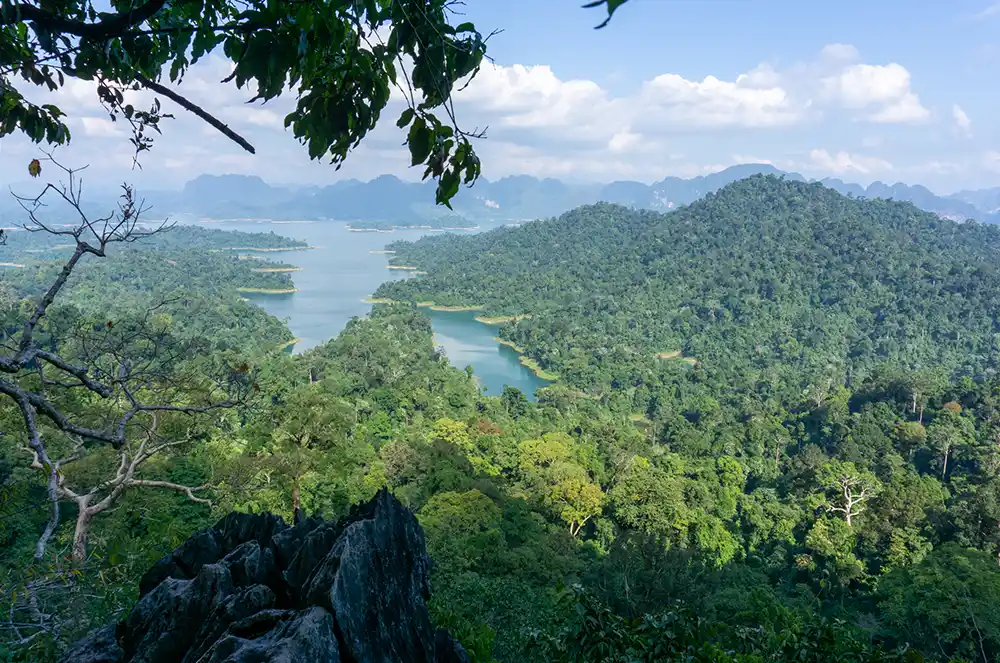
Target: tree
338,58
947,603
514,401
302,432
104,495
851,487
125,367
577,501
950,431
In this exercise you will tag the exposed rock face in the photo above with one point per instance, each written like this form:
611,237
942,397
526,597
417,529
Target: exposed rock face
251,589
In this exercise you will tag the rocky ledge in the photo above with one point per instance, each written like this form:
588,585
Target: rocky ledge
251,589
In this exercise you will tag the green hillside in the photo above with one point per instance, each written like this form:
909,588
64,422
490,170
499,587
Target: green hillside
766,278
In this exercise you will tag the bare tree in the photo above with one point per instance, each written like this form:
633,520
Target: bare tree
851,487
128,370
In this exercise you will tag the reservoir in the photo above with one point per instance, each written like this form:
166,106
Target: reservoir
343,270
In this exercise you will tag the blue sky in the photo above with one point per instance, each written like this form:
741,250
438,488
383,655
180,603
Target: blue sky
885,89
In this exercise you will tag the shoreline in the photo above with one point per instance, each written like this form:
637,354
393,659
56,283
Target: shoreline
265,250
285,346
268,291
501,319
528,362
276,270
447,309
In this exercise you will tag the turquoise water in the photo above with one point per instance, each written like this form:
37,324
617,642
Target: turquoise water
342,271
469,342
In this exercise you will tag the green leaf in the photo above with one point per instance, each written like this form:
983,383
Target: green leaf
421,142
405,118
612,6
447,187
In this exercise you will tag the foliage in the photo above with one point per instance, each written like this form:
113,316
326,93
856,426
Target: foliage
340,60
816,500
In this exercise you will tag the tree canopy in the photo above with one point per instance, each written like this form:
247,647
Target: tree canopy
339,58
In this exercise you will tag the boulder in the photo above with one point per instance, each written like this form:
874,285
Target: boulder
252,589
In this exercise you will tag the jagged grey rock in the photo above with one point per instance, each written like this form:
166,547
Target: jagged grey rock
251,589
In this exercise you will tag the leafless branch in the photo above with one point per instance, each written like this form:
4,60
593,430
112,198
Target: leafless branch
110,370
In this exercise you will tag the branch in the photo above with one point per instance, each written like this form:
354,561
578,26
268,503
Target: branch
197,110
112,26
80,372
187,490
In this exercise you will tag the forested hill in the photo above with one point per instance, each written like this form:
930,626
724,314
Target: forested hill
765,275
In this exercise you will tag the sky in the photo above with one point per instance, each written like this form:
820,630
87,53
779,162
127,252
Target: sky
890,90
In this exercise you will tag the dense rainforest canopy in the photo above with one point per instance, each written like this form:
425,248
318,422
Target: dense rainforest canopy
789,493
768,285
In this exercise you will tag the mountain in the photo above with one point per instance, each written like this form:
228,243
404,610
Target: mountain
766,277
388,199
985,200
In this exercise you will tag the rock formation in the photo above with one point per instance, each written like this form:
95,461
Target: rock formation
251,589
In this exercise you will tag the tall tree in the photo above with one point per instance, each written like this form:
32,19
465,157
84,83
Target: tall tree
849,489
128,369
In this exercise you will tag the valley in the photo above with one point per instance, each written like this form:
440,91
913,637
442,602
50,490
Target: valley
782,398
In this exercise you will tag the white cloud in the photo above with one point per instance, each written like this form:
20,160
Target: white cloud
843,163
545,125
100,126
906,110
962,121
624,141
839,52
713,103
263,118
885,87
746,158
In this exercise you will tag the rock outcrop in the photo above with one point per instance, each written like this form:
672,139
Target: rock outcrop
251,589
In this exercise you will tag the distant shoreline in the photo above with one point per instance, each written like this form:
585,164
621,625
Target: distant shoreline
269,250
501,319
390,229
268,291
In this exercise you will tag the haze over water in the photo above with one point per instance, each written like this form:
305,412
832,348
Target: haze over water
342,271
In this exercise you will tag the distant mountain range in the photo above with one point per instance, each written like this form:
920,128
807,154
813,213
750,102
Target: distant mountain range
389,200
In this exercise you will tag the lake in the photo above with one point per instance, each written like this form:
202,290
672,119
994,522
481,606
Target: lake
343,270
